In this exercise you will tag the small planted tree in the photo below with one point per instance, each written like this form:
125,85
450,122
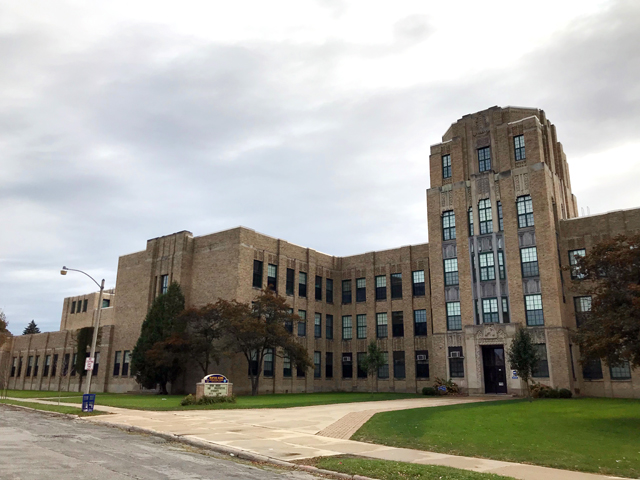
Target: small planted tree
373,360
31,328
523,357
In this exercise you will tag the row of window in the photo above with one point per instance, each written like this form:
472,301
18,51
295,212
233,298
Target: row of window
79,306
50,365
484,157
592,370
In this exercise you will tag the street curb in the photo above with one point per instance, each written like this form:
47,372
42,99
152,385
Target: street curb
70,416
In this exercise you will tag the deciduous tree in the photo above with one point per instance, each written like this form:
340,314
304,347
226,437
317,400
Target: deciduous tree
4,328
202,327
523,357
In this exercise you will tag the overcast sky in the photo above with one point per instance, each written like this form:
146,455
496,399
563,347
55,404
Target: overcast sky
309,121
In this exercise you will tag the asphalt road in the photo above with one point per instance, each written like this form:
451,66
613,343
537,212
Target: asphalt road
38,446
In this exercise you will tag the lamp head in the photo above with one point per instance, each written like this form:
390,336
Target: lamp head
63,271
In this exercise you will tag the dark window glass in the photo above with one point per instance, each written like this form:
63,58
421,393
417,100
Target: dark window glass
47,365
518,145
486,216
14,365
300,371
268,362
116,364
329,293
164,285
73,307
524,207
621,371
37,365
29,366
317,365
317,326
418,283
505,310
470,215
65,364
381,287
501,264
397,324
360,371
347,365
383,371
454,318
490,310
347,327
126,361
302,284
448,225
361,326
582,307
382,328
257,274
290,281
484,159
573,262
19,367
361,290
54,366
346,291
422,364
286,366
529,261
398,365
96,363
302,325
85,304
451,271
487,266
592,369
272,277
542,367
500,218
396,285
446,166
533,310
419,322
73,364
328,365
318,288
456,362
329,327
253,364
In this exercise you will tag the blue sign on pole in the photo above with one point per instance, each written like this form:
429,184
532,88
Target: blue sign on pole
88,402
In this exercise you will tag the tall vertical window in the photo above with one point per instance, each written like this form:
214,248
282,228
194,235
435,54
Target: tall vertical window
85,304
529,260
486,217
487,267
291,274
253,363
501,264
347,327
418,283
500,218
29,366
383,371
398,365
446,166
542,367
454,317
126,361
484,159
96,363
257,274
286,366
116,364
317,326
302,284
268,362
490,310
361,328
361,372
397,324
47,365
382,328
583,309
422,364
302,324
396,285
518,145
347,365
14,366
329,327
329,293
164,286
346,291
621,371
74,360
73,307
317,366
592,369
456,362
524,207
533,310
361,290
381,287
37,365
318,288
505,310
419,322
448,225
451,271
573,262
54,365
470,215
328,365
300,372
19,366
272,277
288,323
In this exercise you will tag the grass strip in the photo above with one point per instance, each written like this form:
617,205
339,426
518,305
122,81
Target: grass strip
38,394
51,408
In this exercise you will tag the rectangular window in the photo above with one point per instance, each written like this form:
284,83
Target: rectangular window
484,159
500,218
328,365
346,291
126,361
116,364
106,302
329,327
73,364
347,364
318,288
288,324
397,324
164,286
317,326
302,284
381,287
399,370
419,322
329,293
382,328
302,325
518,145
47,365
490,310
19,366
525,211
14,366
37,365
383,371
501,264
73,307
286,366
396,285
486,216
65,364
361,290
622,371
470,215
422,364
582,307
317,365
300,372
456,362
529,261
446,166
268,362
542,367
253,363
96,363
347,327
418,283
54,366
448,225
29,366
533,308
487,267
257,274
505,310
272,277
361,372
454,317
361,324
451,271
291,275
592,369
85,304
573,262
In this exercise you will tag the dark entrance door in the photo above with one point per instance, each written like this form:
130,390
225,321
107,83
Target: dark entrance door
495,376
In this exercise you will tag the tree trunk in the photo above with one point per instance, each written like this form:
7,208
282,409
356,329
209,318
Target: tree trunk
163,388
254,385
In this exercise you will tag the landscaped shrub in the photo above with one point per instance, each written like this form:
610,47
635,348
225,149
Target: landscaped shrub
191,400
430,391
539,390
565,393
445,387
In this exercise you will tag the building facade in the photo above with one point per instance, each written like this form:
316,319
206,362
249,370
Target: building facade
503,230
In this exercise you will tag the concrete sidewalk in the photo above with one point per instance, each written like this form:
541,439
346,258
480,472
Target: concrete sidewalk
306,432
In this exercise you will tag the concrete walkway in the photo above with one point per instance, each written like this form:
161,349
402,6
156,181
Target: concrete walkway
306,432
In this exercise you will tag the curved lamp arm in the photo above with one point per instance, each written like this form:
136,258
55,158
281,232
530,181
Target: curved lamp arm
65,269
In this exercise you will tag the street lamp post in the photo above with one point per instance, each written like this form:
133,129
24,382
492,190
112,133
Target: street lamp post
96,322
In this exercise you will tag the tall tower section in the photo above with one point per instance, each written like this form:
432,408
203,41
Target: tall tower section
499,186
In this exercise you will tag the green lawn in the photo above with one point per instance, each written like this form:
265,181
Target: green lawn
38,394
172,402
51,408
388,470
588,434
